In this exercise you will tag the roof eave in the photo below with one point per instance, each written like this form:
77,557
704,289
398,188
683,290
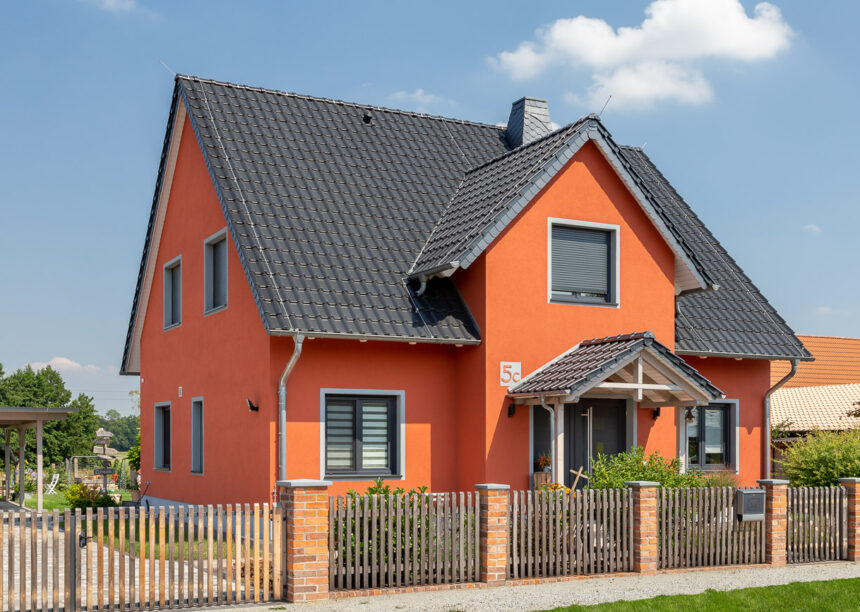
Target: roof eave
715,354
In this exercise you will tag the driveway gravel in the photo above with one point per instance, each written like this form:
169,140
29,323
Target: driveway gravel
586,591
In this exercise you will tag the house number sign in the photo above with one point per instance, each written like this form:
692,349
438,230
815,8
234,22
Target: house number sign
510,372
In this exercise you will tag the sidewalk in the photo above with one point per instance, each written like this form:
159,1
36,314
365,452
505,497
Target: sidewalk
586,591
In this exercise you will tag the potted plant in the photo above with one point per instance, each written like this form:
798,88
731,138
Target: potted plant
544,463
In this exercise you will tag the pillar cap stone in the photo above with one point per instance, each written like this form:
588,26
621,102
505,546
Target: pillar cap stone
491,486
303,483
850,480
637,484
772,481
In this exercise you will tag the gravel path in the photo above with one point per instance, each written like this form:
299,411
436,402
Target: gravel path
586,591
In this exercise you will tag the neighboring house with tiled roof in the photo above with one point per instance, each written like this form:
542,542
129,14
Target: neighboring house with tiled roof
334,290
823,392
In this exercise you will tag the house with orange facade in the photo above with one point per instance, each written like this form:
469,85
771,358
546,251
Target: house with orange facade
336,291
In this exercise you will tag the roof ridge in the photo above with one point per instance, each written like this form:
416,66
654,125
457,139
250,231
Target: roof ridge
293,94
619,338
523,147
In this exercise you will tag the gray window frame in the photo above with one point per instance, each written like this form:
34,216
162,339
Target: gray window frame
196,401
208,272
732,420
399,450
158,437
613,299
168,271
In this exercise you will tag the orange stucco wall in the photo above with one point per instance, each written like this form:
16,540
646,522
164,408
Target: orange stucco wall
457,429
221,357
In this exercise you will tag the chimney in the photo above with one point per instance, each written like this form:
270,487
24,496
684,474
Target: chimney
529,121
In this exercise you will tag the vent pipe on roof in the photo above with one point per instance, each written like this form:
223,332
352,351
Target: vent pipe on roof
529,121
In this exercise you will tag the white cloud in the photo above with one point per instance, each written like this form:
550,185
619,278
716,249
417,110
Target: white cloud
655,60
418,99
812,228
831,311
64,365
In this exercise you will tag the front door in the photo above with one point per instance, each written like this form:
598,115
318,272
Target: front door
593,426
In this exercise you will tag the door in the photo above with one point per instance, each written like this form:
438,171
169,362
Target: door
593,426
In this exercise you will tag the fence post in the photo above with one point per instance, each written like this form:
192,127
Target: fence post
494,533
775,520
305,504
644,495
852,490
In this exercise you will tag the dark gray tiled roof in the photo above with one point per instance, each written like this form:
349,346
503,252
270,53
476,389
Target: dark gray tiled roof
329,211
591,361
735,319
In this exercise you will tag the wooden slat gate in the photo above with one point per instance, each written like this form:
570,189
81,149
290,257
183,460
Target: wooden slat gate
379,541
140,559
558,533
817,524
697,527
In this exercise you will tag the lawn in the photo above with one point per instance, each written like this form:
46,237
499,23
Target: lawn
57,501
835,595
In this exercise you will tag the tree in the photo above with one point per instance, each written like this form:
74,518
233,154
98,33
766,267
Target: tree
823,458
123,428
29,388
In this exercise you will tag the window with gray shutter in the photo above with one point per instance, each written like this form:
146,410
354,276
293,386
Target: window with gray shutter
173,293
360,436
215,285
581,261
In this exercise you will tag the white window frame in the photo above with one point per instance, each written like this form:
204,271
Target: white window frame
733,440
614,263
399,396
158,441
207,264
195,400
167,290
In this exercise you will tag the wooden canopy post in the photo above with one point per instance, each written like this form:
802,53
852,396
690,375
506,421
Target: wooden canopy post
8,458
39,479
22,442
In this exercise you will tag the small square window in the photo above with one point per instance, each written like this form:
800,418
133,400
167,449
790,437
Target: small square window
173,293
582,264
360,436
215,272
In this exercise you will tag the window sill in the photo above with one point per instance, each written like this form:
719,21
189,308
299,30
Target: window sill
161,469
215,310
173,326
193,473
579,302
363,477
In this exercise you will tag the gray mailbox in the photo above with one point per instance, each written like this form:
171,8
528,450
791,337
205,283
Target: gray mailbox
749,505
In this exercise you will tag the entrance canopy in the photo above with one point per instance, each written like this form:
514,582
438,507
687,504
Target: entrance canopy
21,419
631,364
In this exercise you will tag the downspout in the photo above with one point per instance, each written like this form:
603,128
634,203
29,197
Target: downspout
552,440
298,339
785,379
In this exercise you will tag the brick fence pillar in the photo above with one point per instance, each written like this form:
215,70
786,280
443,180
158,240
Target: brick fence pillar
494,533
775,520
305,505
852,488
644,525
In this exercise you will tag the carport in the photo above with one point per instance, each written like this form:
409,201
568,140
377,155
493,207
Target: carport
22,419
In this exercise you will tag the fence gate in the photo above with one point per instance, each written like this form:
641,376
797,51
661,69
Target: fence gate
139,558
817,524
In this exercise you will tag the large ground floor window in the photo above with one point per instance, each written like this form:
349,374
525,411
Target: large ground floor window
360,436
709,436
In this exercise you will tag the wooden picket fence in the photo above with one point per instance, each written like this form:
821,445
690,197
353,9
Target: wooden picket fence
379,541
139,559
697,527
817,524
559,533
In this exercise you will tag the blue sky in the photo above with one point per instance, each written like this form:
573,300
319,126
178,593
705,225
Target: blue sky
750,110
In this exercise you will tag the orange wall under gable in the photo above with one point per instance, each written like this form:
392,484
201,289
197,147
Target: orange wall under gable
747,381
522,326
222,357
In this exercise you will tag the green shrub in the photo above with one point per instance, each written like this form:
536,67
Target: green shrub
83,496
822,458
611,472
